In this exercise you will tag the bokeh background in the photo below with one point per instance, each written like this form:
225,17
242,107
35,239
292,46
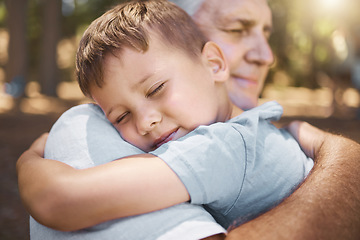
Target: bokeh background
316,75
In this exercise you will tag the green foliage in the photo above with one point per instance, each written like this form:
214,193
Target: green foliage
2,14
304,35
84,12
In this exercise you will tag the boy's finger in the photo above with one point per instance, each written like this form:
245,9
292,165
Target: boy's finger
39,144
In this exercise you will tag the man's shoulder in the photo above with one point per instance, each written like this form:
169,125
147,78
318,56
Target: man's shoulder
89,109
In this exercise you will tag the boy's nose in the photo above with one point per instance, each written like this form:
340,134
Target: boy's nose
147,121
260,52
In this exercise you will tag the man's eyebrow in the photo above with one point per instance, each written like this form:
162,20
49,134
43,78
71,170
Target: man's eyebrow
246,22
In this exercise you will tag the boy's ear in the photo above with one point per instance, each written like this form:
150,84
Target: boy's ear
216,60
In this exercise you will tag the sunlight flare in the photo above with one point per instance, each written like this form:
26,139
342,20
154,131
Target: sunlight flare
330,5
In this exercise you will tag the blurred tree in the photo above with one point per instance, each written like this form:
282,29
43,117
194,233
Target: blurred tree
61,19
2,13
78,14
17,49
51,25
303,37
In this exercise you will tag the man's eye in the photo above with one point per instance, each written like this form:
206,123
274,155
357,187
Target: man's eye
121,117
235,30
267,32
156,90
238,32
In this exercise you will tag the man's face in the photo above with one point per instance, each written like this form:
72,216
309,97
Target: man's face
241,28
157,96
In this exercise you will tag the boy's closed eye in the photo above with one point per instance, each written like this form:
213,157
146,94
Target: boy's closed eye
155,89
121,117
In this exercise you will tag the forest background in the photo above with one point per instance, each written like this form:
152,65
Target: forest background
316,75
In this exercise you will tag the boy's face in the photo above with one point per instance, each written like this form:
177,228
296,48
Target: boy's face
158,96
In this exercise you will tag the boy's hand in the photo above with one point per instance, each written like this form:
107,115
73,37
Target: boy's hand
309,137
38,146
37,149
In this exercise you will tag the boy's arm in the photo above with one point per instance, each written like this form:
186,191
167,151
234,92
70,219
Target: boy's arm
83,138
67,199
54,193
326,205
64,198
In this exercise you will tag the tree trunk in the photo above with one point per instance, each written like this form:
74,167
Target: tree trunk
51,22
16,68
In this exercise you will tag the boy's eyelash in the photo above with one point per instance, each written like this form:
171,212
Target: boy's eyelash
119,119
156,90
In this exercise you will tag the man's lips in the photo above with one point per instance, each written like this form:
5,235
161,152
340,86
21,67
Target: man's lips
165,138
246,81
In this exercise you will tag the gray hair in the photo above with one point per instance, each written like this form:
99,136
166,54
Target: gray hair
190,6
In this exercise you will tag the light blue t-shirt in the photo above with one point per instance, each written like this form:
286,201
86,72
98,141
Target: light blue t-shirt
241,168
83,138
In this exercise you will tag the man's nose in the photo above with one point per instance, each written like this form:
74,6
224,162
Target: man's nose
260,51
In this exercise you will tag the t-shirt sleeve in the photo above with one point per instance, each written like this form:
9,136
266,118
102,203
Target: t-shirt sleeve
210,161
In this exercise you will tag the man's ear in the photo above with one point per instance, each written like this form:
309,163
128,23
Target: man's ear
216,61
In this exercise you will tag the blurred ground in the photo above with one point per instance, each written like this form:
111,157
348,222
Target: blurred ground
19,126
17,131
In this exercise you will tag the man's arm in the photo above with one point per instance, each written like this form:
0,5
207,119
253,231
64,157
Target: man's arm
326,205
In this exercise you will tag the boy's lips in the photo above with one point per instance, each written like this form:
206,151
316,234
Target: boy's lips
165,138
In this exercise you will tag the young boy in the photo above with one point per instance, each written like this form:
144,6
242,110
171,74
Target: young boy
157,79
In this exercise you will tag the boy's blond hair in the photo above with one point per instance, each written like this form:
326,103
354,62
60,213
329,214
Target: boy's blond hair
130,25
